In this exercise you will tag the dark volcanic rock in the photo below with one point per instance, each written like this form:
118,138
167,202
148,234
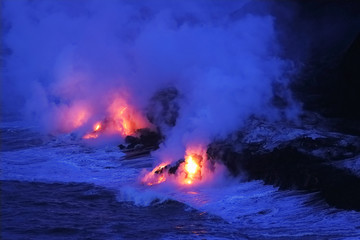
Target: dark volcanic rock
144,137
304,160
162,112
326,43
142,142
289,168
174,168
170,168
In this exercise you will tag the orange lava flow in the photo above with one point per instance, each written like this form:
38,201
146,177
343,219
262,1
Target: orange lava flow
122,118
125,118
95,133
156,176
97,127
192,168
189,171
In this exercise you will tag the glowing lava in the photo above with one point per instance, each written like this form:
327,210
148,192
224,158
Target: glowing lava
122,118
156,176
192,168
186,171
95,133
125,119
97,127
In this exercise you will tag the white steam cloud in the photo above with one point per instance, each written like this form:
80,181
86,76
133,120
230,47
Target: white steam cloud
222,58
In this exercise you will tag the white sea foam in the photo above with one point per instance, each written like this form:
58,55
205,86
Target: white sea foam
245,204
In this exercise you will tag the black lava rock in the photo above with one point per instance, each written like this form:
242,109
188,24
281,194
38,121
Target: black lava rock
292,165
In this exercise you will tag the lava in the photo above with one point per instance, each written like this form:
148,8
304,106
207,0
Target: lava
95,133
156,176
122,119
187,171
192,168
97,127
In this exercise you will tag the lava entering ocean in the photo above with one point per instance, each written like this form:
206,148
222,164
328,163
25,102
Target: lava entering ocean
192,168
122,119
185,171
95,133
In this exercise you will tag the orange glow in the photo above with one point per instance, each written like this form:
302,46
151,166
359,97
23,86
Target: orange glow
71,117
189,172
192,168
122,118
126,120
97,127
94,134
80,118
156,176
90,135
193,193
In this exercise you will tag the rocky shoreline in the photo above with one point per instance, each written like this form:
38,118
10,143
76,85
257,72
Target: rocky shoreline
320,151
293,158
307,156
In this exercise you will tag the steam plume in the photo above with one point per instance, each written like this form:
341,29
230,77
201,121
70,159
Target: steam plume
222,59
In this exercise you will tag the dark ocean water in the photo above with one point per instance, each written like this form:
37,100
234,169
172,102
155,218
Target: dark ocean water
61,188
34,210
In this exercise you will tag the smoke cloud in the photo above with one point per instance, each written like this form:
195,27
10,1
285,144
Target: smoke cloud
224,60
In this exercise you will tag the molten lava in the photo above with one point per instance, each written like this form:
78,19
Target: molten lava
95,133
186,171
156,176
192,168
97,127
122,118
125,118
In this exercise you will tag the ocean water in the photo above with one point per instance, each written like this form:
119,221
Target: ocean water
61,187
